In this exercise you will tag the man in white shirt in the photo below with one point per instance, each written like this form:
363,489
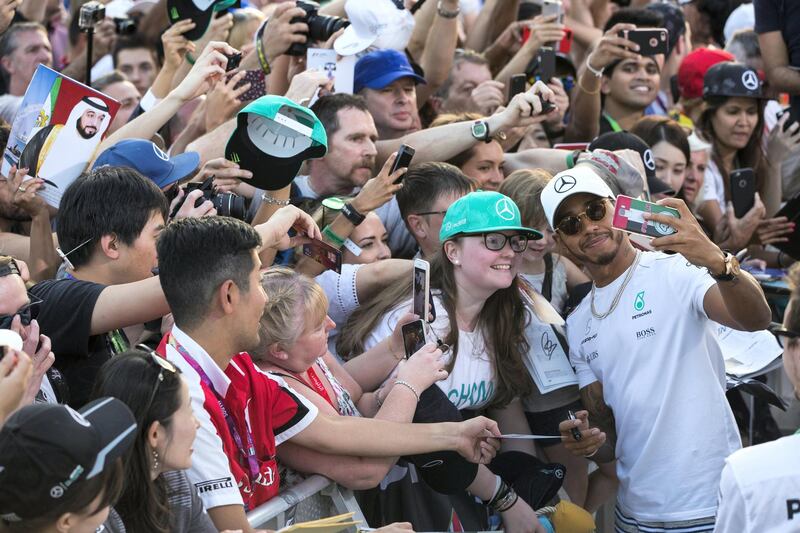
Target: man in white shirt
760,487
651,375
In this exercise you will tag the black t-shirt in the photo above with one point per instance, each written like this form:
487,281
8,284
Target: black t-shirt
782,16
65,316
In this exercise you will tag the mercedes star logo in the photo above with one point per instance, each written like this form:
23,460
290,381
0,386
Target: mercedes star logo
750,80
564,184
648,160
505,209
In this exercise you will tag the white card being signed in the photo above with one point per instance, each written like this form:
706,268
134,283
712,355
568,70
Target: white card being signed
546,359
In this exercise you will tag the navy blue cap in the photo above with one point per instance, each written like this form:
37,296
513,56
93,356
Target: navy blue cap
378,69
150,161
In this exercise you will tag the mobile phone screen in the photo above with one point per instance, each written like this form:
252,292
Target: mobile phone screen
324,254
404,156
420,290
413,337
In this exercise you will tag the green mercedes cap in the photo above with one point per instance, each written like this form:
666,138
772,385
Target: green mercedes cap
273,137
483,212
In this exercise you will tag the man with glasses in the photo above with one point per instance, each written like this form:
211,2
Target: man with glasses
428,190
650,372
18,311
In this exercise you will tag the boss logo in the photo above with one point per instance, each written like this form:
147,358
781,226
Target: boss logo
645,333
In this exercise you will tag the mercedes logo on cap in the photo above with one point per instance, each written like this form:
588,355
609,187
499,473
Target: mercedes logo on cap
564,184
648,159
750,80
504,209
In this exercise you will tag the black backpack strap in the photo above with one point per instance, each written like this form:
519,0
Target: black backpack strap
547,282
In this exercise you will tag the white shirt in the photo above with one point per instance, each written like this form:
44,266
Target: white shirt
471,384
342,296
713,188
760,489
663,376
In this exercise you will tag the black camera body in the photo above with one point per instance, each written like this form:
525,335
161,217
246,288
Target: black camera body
90,15
227,204
320,27
124,26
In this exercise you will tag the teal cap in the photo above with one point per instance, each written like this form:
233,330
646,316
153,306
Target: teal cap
273,137
482,212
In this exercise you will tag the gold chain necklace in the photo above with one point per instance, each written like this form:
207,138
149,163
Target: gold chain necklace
628,276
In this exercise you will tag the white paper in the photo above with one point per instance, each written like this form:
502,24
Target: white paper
546,360
340,70
746,352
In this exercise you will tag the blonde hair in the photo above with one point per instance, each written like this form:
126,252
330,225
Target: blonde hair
295,303
525,188
241,33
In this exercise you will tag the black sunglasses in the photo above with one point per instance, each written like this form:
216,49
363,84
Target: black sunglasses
443,213
164,364
572,224
497,241
783,335
26,313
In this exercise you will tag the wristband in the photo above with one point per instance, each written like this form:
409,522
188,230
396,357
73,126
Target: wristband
410,387
190,58
590,68
351,214
262,55
447,14
572,158
328,233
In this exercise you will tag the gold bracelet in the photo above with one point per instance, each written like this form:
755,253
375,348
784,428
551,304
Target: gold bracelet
582,88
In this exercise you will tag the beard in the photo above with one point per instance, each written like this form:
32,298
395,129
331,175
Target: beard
604,258
87,132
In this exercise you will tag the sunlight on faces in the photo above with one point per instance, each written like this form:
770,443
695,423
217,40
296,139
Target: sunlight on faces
33,48
372,238
538,249
480,268
597,242
138,259
735,121
486,165
139,65
634,83
89,122
176,439
250,308
392,107
351,150
670,164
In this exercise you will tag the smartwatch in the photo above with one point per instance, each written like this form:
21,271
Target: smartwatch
480,131
352,215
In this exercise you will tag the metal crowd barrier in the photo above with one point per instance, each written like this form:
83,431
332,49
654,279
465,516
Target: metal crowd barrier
315,497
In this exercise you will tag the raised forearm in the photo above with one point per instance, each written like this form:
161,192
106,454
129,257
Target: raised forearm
432,144
549,159
423,19
745,302
438,52
495,16
584,122
43,260
518,63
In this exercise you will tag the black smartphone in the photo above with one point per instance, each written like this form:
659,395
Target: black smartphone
743,190
413,337
651,41
791,119
518,84
547,64
233,61
404,156
420,288
324,254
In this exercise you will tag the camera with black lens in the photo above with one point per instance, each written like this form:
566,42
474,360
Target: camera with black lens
227,204
320,27
124,26
90,15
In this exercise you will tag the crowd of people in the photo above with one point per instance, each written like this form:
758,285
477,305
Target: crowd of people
221,303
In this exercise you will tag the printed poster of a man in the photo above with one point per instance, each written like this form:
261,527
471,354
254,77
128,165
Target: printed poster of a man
57,142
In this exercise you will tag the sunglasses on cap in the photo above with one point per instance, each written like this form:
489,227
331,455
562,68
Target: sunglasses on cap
26,313
572,224
497,241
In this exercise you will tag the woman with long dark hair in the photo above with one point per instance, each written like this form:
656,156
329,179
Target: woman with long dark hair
732,120
158,496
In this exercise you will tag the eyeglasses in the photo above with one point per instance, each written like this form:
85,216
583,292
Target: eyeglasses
26,313
497,241
443,213
572,225
164,364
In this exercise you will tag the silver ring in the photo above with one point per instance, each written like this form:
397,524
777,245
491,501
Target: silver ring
22,189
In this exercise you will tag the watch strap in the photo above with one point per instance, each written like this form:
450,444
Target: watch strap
351,214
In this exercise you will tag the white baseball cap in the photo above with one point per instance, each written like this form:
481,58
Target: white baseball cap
697,144
581,179
378,23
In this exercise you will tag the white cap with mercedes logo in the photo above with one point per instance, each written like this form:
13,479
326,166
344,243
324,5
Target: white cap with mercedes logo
581,179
